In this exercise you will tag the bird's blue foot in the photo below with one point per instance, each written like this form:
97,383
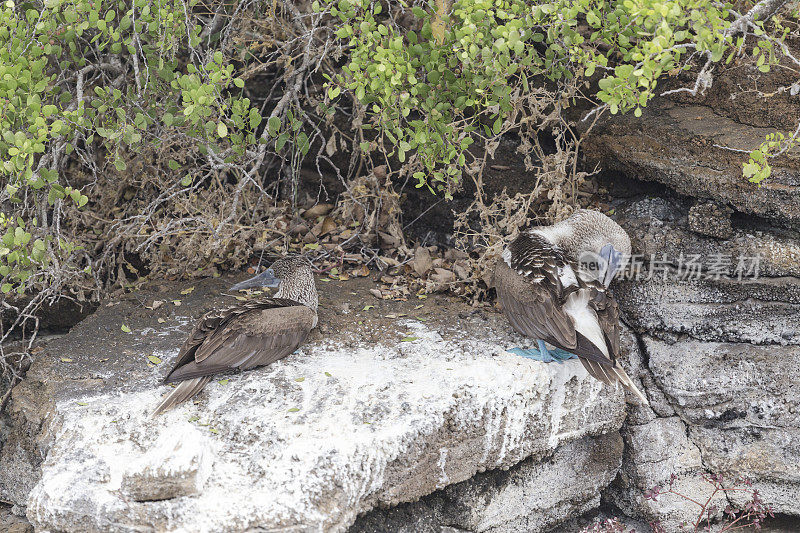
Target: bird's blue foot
543,354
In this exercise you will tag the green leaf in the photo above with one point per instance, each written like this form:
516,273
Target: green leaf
408,339
281,141
125,328
294,409
222,129
273,125
750,169
153,359
302,143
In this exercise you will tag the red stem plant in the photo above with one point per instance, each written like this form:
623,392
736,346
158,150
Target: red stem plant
735,517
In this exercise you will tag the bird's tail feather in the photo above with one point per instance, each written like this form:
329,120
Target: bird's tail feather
610,374
597,371
184,391
628,383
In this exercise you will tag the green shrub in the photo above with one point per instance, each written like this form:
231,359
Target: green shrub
140,103
63,87
452,78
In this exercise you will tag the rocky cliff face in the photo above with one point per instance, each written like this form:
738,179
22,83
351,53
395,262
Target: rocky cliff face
400,418
720,357
372,415
719,346
698,153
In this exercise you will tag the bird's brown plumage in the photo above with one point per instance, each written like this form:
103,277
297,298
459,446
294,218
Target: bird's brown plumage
254,333
530,287
532,293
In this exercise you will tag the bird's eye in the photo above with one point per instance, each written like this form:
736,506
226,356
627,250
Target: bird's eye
271,272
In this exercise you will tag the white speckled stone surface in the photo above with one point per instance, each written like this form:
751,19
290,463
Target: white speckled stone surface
309,442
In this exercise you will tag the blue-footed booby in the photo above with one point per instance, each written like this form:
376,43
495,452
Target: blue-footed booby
253,333
552,282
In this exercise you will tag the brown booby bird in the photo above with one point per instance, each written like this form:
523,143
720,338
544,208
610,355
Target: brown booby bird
552,282
253,333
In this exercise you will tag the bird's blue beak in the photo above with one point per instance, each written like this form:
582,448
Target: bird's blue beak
613,261
265,279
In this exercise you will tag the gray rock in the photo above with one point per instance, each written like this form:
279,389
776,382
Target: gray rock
178,466
729,385
572,480
712,219
762,311
310,442
767,456
720,362
742,404
10,523
684,148
600,519
532,496
659,228
655,452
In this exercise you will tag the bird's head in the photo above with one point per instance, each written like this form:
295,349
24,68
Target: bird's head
600,245
293,277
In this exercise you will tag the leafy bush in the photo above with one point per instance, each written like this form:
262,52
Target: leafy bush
63,88
434,86
167,137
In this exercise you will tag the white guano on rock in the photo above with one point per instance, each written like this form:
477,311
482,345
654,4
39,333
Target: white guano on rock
312,441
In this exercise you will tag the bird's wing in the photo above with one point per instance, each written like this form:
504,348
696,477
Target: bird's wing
543,298
601,366
254,333
607,311
532,287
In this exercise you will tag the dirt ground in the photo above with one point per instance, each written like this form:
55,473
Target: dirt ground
349,305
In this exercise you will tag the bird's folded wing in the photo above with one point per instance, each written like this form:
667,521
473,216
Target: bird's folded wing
600,366
607,314
533,305
253,334
533,290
